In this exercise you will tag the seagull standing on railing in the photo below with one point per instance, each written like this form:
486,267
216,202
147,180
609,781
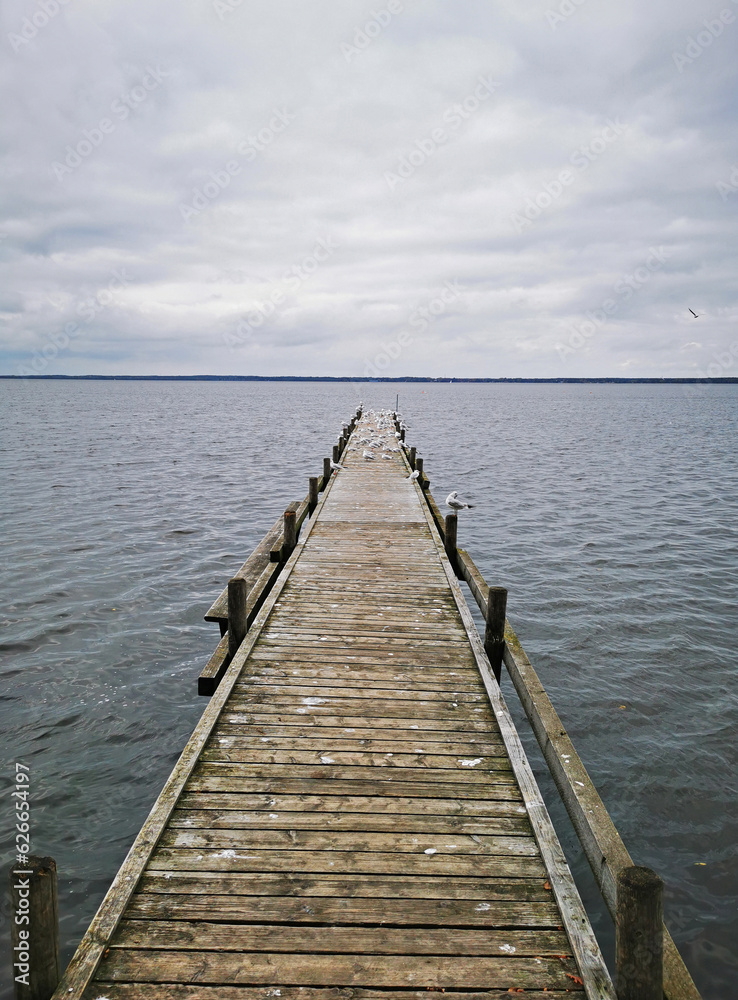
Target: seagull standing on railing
337,465
454,503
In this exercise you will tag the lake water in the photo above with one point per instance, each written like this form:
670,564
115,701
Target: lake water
609,512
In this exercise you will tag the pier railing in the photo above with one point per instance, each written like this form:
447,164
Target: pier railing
631,894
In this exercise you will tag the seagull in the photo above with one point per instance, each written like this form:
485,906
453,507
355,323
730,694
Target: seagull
455,504
693,313
337,465
368,455
413,475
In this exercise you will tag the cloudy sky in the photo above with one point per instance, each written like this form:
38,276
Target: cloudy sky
482,188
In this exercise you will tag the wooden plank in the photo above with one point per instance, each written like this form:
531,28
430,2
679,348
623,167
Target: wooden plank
426,789
235,738
167,859
463,778
474,579
432,678
214,670
327,654
181,935
352,723
375,708
422,761
386,971
477,893
177,991
395,805
292,690
457,845
210,819
432,741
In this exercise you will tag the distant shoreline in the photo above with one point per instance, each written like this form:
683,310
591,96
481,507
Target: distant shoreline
728,380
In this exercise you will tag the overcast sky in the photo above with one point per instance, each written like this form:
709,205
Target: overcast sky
480,188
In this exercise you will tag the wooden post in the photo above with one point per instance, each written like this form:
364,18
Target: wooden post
35,944
639,940
326,472
422,481
402,434
494,633
312,493
238,591
411,458
336,453
290,534
451,525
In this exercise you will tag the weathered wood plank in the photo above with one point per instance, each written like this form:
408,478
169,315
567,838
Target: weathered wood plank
335,786
389,971
176,991
397,805
458,845
317,737
477,893
343,862
237,738
210,819
375,708
225,753
464,778
283,692
180,935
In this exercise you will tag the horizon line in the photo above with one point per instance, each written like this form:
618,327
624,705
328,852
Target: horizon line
688,379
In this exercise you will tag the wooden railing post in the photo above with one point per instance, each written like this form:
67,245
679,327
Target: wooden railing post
238,592
402,434
326,472
290,534
336,453
411,458
639,940
312,493
449,541
422,481
494,633
35,941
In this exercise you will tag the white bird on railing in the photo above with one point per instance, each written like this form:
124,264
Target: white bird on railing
337,465
456,504
413,475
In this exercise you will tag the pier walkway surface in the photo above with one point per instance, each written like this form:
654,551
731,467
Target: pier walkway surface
354,816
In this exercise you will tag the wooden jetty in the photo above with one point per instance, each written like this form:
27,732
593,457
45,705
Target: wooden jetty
354,815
